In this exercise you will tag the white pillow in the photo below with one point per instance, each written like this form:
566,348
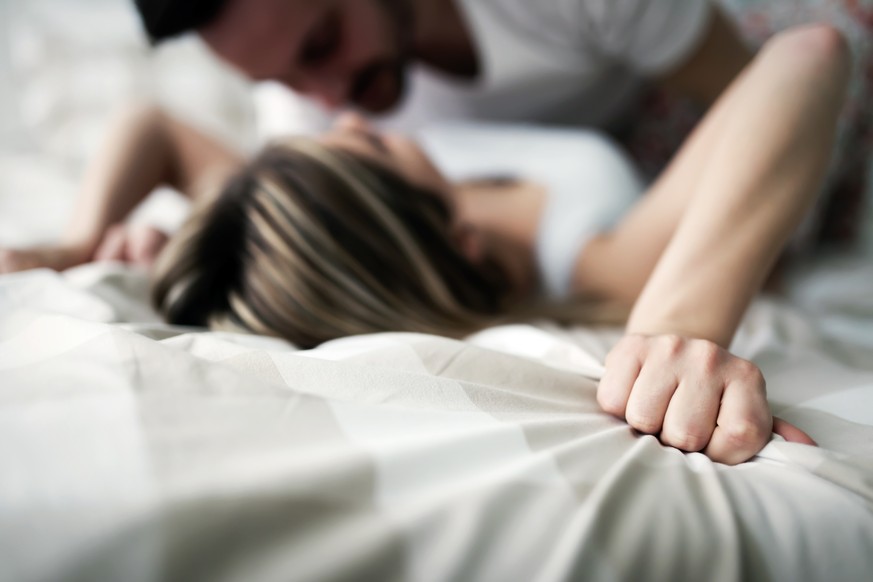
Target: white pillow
281,112
73,62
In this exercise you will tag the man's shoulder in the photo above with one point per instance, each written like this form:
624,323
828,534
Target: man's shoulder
569,20
536,18
644,34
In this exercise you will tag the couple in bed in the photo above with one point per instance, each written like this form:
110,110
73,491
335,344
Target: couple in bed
358,231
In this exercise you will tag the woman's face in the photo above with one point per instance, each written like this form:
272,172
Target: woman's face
397,153
351,133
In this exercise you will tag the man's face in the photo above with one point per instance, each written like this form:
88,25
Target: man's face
338,51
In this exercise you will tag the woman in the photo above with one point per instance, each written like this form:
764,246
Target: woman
358,232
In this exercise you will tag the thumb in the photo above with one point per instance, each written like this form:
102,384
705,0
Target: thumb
791,433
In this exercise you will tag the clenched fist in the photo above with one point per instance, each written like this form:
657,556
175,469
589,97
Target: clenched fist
693,394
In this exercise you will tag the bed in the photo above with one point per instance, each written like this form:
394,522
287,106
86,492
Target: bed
132,450
135,451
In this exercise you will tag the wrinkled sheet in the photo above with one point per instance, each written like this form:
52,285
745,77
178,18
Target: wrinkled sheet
138,451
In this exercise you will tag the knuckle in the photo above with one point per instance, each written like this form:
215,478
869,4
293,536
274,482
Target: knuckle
709,355
610,403
643,423
745,433
710,363
612,408
686,440
749,372
672,345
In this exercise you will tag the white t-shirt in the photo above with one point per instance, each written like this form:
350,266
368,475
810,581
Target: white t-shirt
570,62
590,183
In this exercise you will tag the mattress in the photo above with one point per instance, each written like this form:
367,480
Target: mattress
131,450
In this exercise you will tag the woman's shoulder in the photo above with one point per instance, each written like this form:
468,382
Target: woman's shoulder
466,150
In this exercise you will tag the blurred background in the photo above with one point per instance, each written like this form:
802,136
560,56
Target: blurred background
67,65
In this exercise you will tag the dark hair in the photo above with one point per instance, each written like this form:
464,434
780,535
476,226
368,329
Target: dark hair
165,19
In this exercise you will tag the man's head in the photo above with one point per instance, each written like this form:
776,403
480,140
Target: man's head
338,51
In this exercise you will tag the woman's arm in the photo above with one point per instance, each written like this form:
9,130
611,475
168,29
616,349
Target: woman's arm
758,181
145,149
749,174
618,264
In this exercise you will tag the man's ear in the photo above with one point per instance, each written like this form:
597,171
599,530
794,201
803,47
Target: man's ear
470,242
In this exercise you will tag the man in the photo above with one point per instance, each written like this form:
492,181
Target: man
573,62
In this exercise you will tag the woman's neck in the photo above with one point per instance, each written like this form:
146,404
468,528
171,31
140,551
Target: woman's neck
506,207
506,214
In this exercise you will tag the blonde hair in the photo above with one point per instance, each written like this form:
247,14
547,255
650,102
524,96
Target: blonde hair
311,244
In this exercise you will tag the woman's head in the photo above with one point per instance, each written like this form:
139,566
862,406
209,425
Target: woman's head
317,240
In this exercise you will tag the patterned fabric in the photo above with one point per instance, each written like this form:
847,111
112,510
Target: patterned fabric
667,120
142,452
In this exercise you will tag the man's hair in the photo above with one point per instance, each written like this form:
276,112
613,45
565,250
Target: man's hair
164,19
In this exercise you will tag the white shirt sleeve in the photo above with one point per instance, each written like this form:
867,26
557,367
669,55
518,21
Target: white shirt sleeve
649,36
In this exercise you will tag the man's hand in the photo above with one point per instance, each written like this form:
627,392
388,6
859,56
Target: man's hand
693,394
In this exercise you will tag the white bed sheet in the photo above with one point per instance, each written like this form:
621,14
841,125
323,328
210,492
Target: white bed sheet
130,450
143,452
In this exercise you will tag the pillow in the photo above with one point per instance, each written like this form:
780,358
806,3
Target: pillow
71,63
